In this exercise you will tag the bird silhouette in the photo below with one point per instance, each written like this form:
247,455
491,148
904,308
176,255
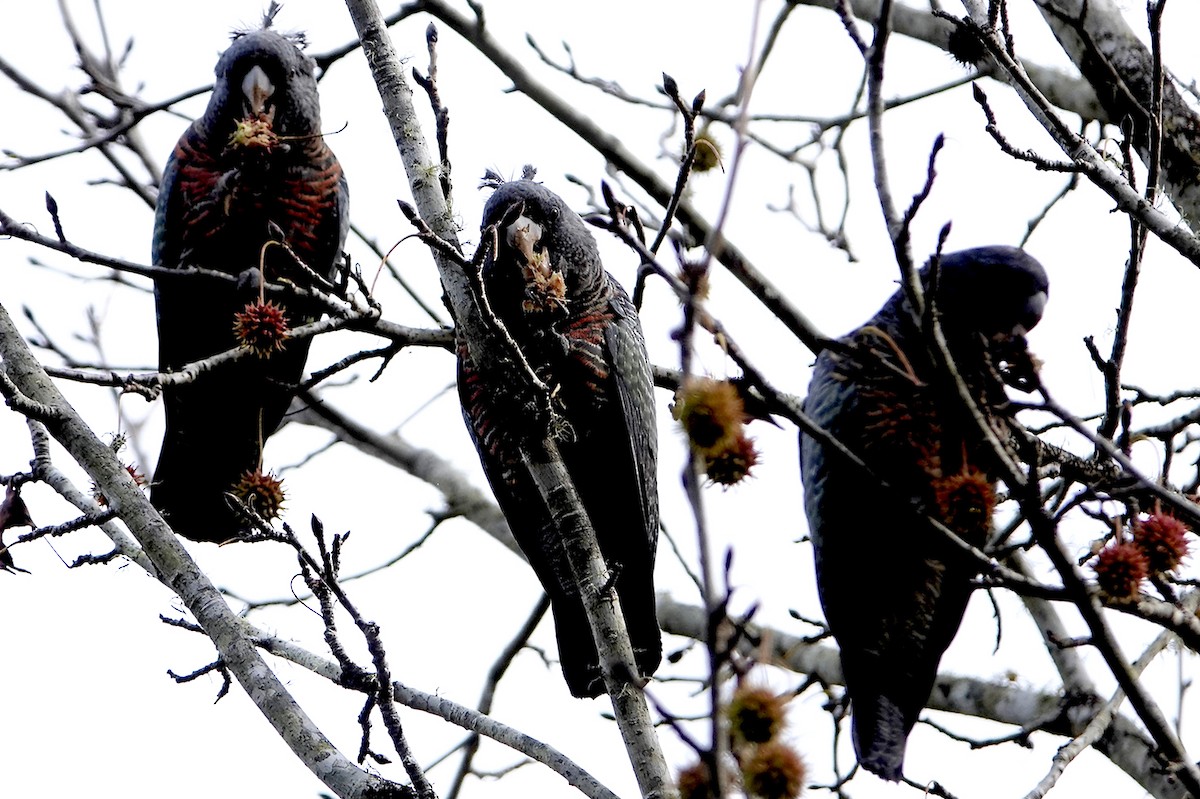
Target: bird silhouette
893,589
251,189
581,335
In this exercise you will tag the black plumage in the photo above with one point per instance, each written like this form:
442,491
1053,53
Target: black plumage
893,589
253,169
580,333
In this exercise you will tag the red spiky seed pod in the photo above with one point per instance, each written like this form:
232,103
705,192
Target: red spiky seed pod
1163,540
966,501
711,412
732,464
696,782
774,771
756,715
261,327
261,491
1120,569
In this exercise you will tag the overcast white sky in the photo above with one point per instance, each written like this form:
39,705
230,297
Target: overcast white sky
88,708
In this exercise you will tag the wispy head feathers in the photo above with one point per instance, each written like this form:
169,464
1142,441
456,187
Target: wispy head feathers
298,38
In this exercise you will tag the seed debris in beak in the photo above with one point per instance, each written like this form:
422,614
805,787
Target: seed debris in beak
545,287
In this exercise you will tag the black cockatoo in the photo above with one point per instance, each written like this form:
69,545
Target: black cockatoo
253,169
894,591
581,334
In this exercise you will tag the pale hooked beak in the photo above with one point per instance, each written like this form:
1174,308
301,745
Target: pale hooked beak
523,236
1034,307
1037,304
523,230
257,88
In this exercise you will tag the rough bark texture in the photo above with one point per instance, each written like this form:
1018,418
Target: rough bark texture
1065,91
1114,61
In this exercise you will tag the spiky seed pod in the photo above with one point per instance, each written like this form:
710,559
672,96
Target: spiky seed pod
696,782
261,327
1120,569
965,47
774,771
708,152
1163,540
966,501
261,491
756,715
731,465
711,412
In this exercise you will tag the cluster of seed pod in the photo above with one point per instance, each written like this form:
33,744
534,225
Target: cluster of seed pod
1158,545
714,417
767,767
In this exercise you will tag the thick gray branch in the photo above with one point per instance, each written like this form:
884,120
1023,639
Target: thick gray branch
174,567
1112,58
452,712
600,600
1065,91
1125,744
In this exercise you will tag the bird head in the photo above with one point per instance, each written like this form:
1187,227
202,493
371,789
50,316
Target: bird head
542,244
999,292
265,90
